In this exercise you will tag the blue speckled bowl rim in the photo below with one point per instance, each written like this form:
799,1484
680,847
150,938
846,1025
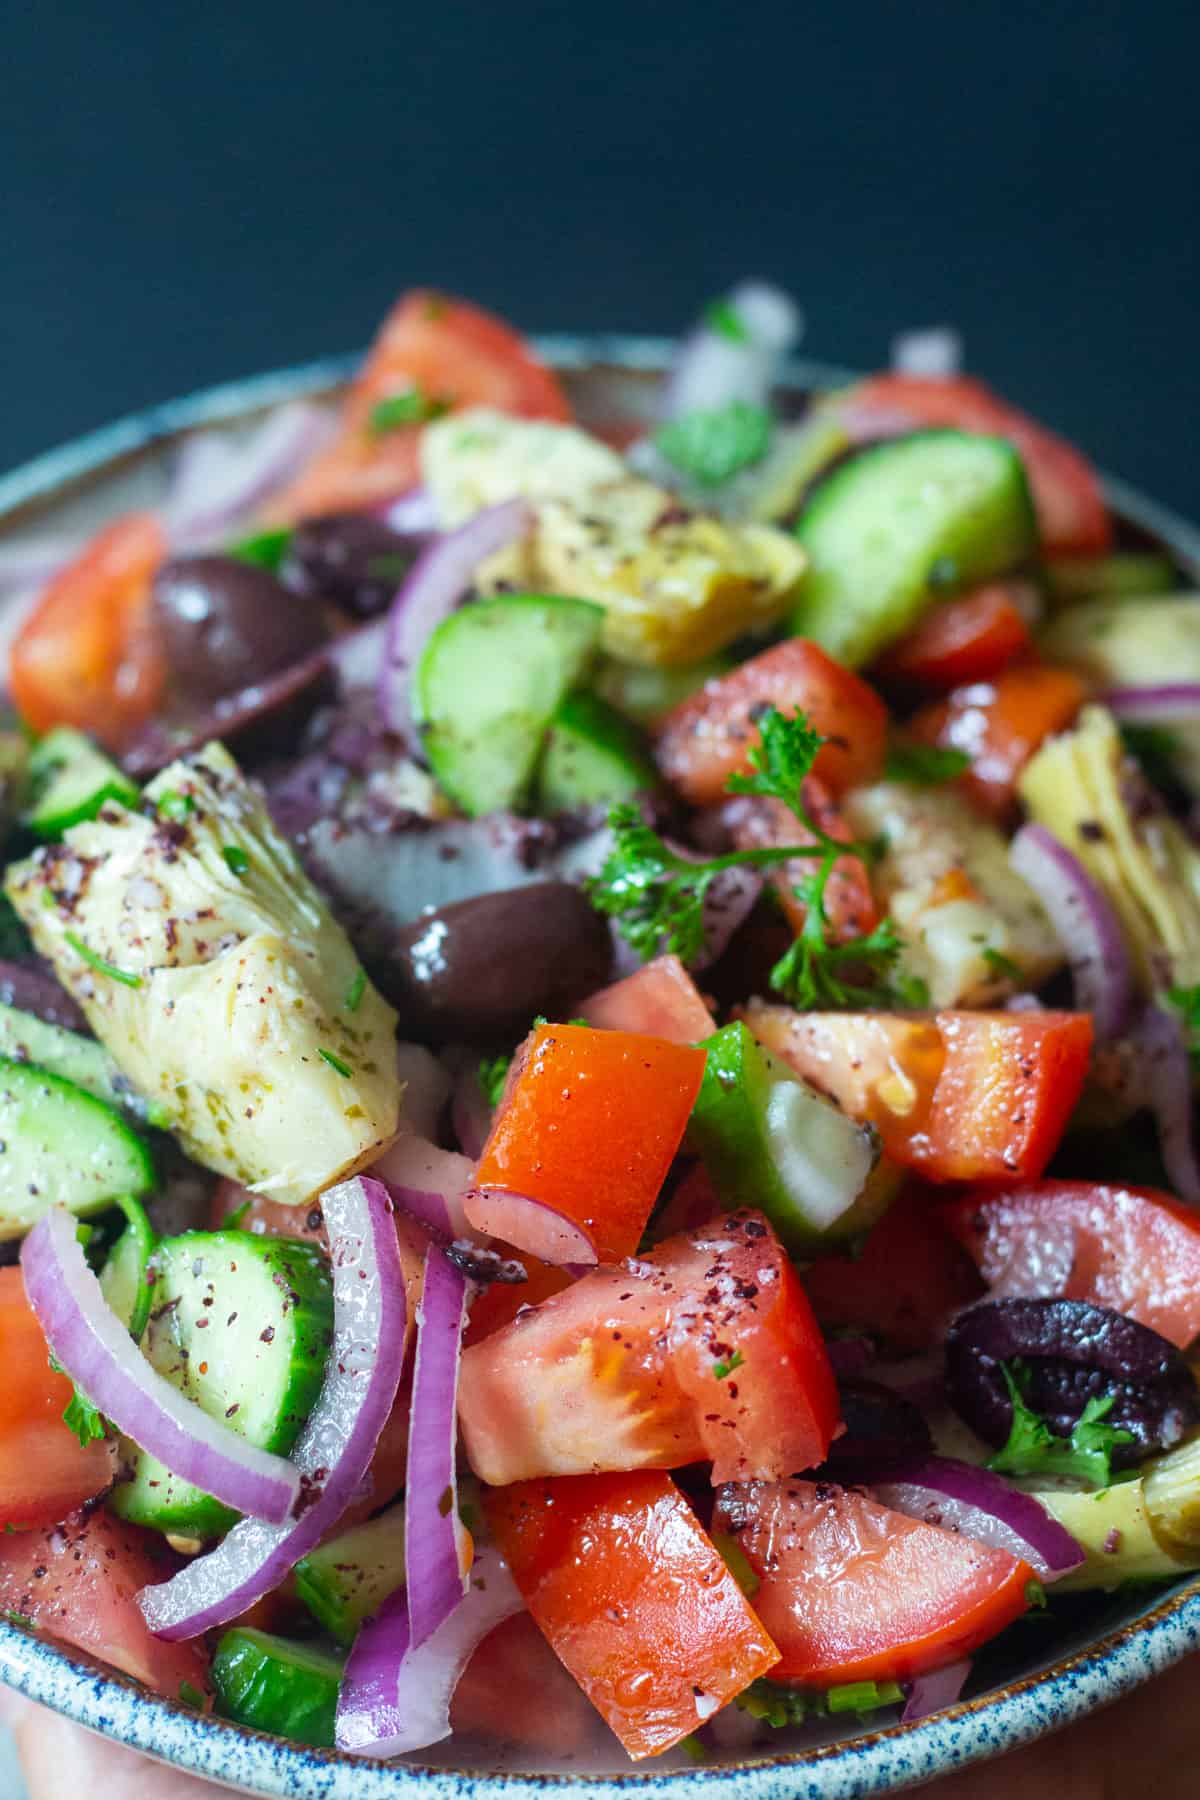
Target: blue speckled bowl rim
871,1763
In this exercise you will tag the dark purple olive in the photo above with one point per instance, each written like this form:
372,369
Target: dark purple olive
227,625
880,1425
254,721
351,560
482,968
1070,1353
32,987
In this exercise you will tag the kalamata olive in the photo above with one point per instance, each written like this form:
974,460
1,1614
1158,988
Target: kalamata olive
1070,1352
880,1424
351,560
227,625
254,721
480,969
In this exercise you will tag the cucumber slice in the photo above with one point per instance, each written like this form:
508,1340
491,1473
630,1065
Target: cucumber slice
646,694
69,781
904,524
127,1278
241,1325
348,1578
489,682
59,1146
769,1140
1129,574
275,1685
26,1038
593,757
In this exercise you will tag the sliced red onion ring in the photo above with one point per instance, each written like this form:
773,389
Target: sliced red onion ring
428,1182
34,562
530,1225
412,512
981,1505
433,587
335,1448
427,1088
937,1688
935,354
1171,702
433,1533
1085,924
1163,1078
97,1351
395,1696
220,479
357,656
715,368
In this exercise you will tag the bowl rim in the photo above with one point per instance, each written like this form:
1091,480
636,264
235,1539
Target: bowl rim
883,1760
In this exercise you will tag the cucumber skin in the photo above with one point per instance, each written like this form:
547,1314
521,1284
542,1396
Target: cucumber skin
50,767
348,1578
593,757
273,1685
127,1279
134,1171
831,608
78,1059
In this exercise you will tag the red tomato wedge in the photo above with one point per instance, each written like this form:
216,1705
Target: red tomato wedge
45,1472
999,724
454,355
966,1096
969,639
1072,516
850,908
582,1141
709,737
852,1591
659,1000
1135,1250
706,1349
904,1286
634,1598
499,1304
79,1582
88,655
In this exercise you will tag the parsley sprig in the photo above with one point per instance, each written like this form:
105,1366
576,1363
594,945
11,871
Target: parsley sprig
657,896
1033,1449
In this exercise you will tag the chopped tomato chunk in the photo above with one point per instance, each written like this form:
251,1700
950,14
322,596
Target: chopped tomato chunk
582,1141
850,909
80,1583
969,639
709,737
45,1472
453,355
634,1598
1135,1250
1072,517
660,1000
852,1591
704,1349
999,724
88,654
499,1304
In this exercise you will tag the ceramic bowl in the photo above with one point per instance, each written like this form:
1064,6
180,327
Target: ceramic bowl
1045,1676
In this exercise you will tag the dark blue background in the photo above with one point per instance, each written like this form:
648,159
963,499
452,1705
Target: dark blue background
189,193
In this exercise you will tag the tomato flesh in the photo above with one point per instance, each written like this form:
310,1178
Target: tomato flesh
659,1000
998,725
80,1583
45,1472
1135,1250
964,640
634,1598
88,654
709,737
849,904
852,1591
706,1349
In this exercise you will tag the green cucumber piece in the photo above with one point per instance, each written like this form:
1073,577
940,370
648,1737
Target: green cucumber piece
904,524
26,1038
1128,574
348,1578
275,1685
242,1325
127,1278
593,757
770,1141
489,681
646,694
69,781
60,1146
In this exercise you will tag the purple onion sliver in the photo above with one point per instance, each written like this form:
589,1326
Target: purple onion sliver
1164,1075
981,1505
937,1688
96,1350
428,1182
432,1532
334,1449
35,562
31,988
1177,701
411,512
218,481
1085,924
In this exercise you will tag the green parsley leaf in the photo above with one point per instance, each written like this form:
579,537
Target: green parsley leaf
83,1419
1033,1449
722,1369
712,446
1002,965
411,406
1186,1002
174,805
335,1062
15,941
722,316
784,755
862,1696
924,765
356,990
236,860
781,1706
266,549
98,963
492,1074
12,1617
1156,750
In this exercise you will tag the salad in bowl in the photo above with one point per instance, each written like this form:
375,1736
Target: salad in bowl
597,1025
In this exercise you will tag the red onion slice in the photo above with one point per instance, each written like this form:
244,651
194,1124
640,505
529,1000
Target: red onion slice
335,1448
97,1351
1085,923
530,1225
1163,1076
220,479
395,1696
433,1534
31,988
34,562
1172,701
937,1688
428,1182
427,1088
981,1505
412,512
433,587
